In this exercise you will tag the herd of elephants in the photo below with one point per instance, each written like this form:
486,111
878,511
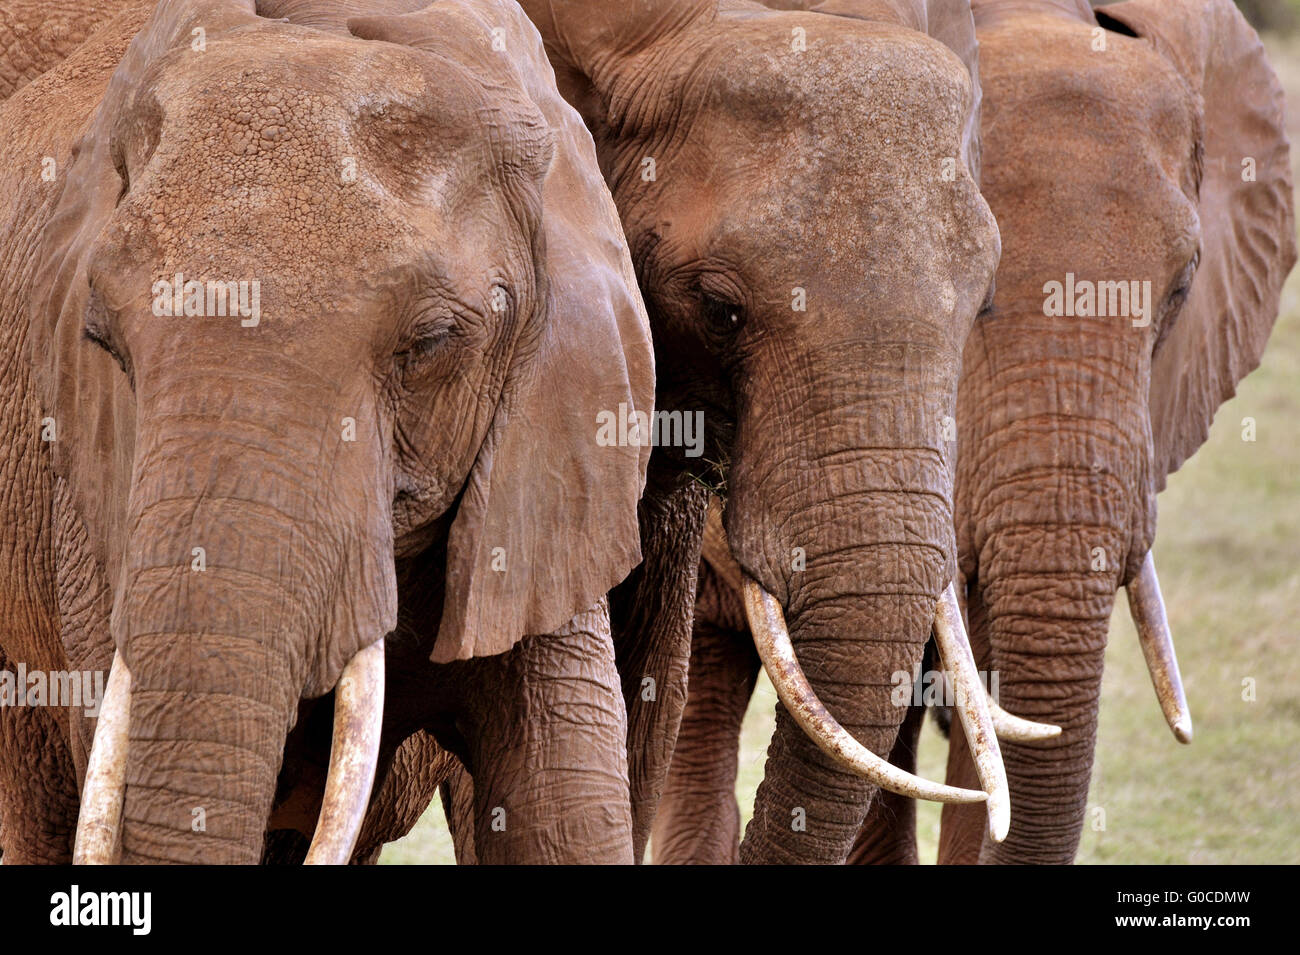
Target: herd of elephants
347,347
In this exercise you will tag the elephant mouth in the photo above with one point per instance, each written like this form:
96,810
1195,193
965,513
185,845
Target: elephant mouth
354,754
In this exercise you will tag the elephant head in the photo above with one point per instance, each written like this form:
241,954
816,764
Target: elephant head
796,191
1139,172
312,300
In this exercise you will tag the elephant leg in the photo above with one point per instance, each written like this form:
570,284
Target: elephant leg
403,793
961,831
698,821
457,792
39,786
888,834
548,750
651,614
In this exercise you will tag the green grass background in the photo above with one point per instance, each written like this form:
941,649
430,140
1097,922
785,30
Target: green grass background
1228,551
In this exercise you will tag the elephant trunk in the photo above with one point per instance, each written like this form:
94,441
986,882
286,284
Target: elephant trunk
210,707
1057,518
1048,637
246,584
868,567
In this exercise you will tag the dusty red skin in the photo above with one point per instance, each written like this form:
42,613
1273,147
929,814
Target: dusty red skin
829,420
36,35
1068,426
376,306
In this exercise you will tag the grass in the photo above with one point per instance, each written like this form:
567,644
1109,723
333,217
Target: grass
1228,551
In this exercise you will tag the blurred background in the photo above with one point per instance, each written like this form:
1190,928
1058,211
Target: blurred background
1272,16
1228,549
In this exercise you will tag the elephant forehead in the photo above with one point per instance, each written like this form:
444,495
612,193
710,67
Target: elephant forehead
261,195
320,86
309,88
258,158
1037,62
1072,127
845,76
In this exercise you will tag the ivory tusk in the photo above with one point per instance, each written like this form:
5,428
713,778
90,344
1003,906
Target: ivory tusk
354,753
1017,729
1147,608
976,721
99,823
772,639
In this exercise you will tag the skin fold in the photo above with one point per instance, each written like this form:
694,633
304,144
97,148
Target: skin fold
767,192
390,447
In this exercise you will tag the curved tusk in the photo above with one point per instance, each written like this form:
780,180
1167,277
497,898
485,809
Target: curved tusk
1147,608
1017,729
354,753
772,640
99,824
1010,728
976,721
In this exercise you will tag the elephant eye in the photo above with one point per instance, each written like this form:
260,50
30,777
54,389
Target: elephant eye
423,343
1174,304
1178,297
722,319
95,337
95,328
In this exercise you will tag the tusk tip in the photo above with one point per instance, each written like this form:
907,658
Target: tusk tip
1183,730
1016,729
1031,733
999,805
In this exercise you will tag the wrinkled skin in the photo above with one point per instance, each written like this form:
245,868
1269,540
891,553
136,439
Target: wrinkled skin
1108,166
774,171
1068,426
346,463
36,35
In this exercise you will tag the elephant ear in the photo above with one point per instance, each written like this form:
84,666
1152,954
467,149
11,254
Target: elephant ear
547,522
1246,210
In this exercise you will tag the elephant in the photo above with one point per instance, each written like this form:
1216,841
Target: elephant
309,327
775,172
1069,426
1117,147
